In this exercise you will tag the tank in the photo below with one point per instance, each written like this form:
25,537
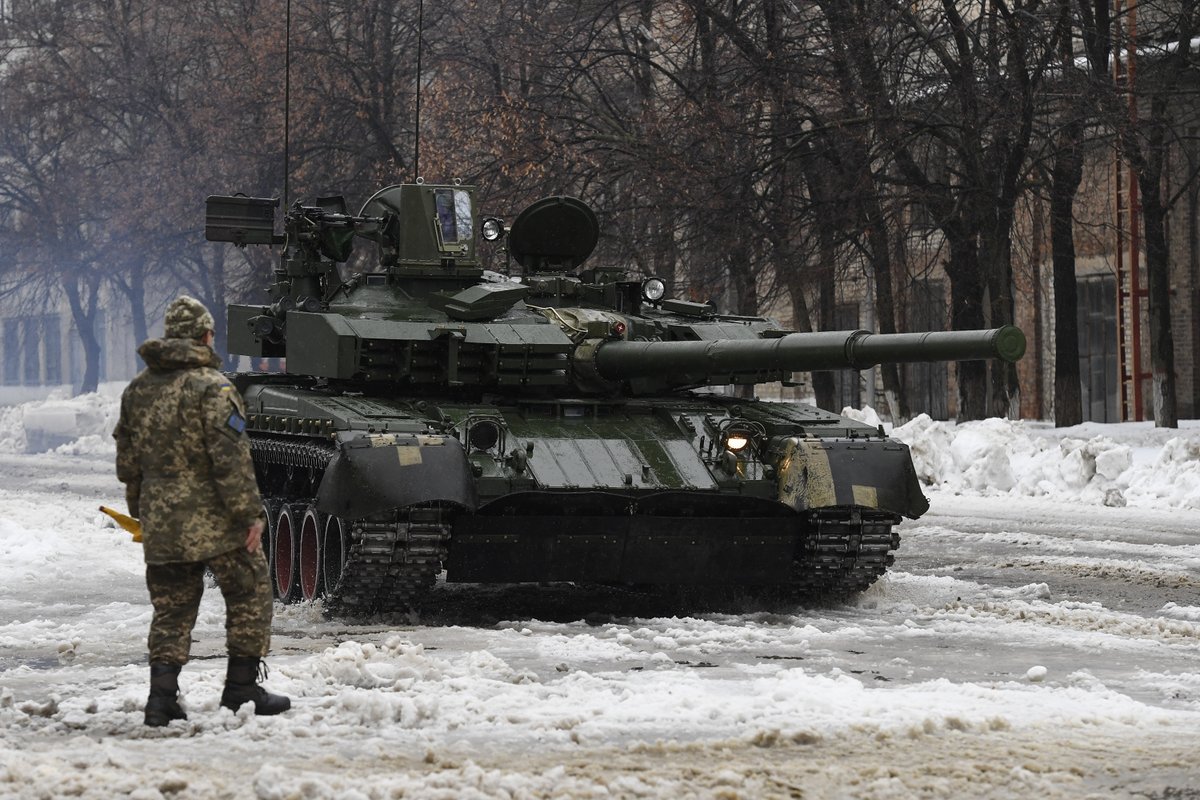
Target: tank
566,424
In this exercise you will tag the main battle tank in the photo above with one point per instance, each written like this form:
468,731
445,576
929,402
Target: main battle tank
558,427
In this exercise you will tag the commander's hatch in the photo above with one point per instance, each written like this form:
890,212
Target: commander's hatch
554,234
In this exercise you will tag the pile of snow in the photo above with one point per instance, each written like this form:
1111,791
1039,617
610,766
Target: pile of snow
80,425
1111,464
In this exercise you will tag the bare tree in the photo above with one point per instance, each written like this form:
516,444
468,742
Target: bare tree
1071,111
967,83
738,150
49,173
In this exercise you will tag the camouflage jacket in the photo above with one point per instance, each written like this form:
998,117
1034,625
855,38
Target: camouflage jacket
183,454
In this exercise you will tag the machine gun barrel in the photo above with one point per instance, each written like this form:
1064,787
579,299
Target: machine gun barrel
804,352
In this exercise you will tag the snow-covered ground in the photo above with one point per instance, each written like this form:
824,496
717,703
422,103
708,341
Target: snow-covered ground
1038,636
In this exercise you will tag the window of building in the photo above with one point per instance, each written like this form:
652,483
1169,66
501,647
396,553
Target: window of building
32,351
1099,383
31,374
933,155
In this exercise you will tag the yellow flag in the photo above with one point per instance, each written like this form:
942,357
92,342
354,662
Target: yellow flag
125,521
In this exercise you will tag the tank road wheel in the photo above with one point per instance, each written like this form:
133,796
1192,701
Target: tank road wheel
333,553
270,511
309,557
287,550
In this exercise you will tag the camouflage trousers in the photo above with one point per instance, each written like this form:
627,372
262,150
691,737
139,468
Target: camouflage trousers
175,591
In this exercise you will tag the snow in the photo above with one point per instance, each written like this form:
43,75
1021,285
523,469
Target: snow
1039,635
81,425
1132,464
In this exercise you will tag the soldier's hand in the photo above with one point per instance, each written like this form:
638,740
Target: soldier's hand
254,537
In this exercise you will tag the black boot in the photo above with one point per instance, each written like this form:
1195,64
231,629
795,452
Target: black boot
163,704
241,686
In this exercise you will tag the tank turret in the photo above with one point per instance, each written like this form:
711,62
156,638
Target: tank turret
545,426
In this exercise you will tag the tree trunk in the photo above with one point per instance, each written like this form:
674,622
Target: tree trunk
83,313
802,322
666,255
996,265
800,317
1064,183
966,313
216,307
137,306
823,383
1193,250
1162,340
885,302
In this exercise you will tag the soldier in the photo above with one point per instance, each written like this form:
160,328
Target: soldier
184,457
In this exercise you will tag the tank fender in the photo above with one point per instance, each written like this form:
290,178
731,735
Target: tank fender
374,473
821,473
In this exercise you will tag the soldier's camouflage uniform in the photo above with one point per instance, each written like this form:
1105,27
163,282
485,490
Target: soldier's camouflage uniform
184,457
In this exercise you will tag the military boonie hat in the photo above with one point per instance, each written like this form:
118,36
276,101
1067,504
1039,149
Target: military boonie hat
187,318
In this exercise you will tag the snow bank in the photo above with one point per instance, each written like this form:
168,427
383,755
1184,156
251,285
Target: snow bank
1111,464
80,425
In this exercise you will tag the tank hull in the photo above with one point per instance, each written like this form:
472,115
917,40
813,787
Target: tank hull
632,492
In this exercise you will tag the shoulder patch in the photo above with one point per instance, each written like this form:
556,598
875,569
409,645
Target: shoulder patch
237,422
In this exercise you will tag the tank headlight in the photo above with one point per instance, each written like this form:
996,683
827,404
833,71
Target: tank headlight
653,289
484,435
491,228
741,437
736,441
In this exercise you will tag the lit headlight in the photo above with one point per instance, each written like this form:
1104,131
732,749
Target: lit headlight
491,228
736,441
653,289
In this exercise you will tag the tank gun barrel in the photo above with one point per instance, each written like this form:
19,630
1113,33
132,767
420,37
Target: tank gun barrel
804,352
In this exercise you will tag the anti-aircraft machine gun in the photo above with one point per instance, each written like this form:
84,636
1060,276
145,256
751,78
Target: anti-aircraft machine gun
556,428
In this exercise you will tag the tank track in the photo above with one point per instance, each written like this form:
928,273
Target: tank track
390,559
847,551
306,454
